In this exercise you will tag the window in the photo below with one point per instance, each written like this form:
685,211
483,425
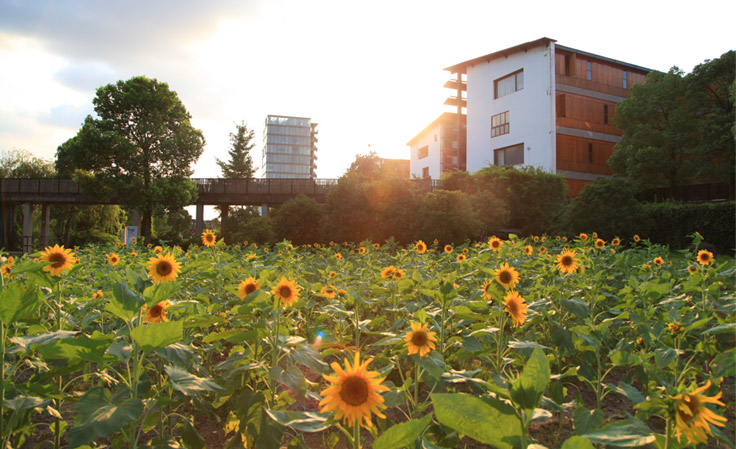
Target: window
513,155
435,137
625,80
590,153
605,114
590,70
423,152
561,106
570,60
508,84
425,172
500,124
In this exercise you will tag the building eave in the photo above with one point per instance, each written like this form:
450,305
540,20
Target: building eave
603,58
463,66
444,116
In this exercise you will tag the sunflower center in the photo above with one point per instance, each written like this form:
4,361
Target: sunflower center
566,261
164,268
354,390
704,258
513,307
419,338
285,291
59,259
504,277
494,244
693,404
156,311
250,288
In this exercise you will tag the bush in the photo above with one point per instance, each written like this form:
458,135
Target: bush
608,207
349,214
673,222
393,205
446,216
299,220
245,224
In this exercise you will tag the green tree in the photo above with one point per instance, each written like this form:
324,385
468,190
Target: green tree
366,168
446,216
240,164
138,150
19,163
299,220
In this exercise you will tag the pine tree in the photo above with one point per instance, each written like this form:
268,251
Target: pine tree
240,164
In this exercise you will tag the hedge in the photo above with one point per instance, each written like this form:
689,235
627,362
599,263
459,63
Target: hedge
671,223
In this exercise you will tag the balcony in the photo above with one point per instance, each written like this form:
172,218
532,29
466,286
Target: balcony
452,101
452,84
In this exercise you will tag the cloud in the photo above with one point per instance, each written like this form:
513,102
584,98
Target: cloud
67,116
86,77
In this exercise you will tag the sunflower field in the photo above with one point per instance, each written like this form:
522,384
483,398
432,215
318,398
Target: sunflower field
519,343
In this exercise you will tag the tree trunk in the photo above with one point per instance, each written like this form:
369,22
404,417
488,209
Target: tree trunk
146,227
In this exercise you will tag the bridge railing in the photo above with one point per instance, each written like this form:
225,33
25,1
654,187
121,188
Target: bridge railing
38,185
264,186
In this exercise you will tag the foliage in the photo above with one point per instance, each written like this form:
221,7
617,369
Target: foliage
673,223
172,227
446,216
365,168
348,211
299,220
608,206
18,163
139,149
240,164
393,204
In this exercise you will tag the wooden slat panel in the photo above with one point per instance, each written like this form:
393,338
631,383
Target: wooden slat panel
585,113
573,155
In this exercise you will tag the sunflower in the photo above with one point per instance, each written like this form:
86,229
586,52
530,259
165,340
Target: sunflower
208,238
286,291
566,261
361,250
133,254
388,272
595,235
692,417
461,257
506,276
658,261
338,256
62,259
583,237
6,269
543,239
133,240
248,286
616,241
536,239
332,275
448,249
485,289
376,245
97,294
399,273
692,270
329,291
564,239
419,340
466,250
354,393
528,250
543,250
515,306
600,244
421,247
637,238
156,313
113,259
163,268
675,327
705,257
495,243
157,249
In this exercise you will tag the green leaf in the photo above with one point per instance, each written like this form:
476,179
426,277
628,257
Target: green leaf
402,434
495,424
575,306
19,300
233,336
301,421
577,442
78,348
586,420
625,358
663,357
41,339
154,294
190,437
95,416
629,391
432,363
189,384
727,328
529,388
177,354
23,403
724,364
157,335
10,303
627,433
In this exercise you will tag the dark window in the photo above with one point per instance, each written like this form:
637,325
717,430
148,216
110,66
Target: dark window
425,172
605,114
513,155
590,153
500,124
423,152
590,70
570,60
508,84
626,83
561,106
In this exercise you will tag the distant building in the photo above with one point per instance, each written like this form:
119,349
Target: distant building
289,147
538,104
396,167
436,149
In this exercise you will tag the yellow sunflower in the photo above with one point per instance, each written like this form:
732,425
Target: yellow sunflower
566,261
600,244
692,418
163,268
421,247
338,256
658,261
286,291
448,249
376,246
705,257
97,294
388,272
461,257
495,243
399,273
113,259
157,249
329,291
6,269
636,237
529,250
543,239
675,327
485,289
692,270
11,261
62,259
536,239
506,276
419,340
208,238
543,250
157,313
361,250
583,237
616,241
332,275
515,306
595,235
354,393
133,254
248,286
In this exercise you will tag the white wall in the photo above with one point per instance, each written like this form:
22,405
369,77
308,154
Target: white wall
531,110
433,158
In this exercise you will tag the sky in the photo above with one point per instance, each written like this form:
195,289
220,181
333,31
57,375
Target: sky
370,73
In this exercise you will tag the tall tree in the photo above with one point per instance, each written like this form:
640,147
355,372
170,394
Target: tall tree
240,164
19,163
138,150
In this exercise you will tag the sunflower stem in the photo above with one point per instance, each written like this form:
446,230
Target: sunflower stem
356,436
667,431
275,349
57,402
416,387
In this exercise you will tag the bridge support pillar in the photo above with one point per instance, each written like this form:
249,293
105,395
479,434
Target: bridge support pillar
224,213
27,245
199,223
264,210
45,221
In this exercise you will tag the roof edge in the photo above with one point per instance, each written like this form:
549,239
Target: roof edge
602,58
434,122
501,53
